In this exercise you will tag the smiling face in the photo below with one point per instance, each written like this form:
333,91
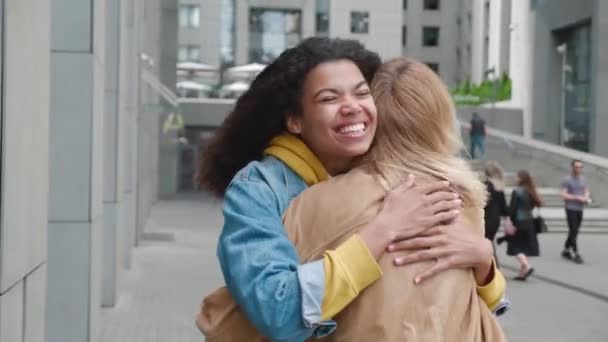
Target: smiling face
338,117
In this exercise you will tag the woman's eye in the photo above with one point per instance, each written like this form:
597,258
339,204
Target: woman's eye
363,93
327,99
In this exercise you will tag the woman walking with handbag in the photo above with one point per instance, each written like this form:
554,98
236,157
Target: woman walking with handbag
524,243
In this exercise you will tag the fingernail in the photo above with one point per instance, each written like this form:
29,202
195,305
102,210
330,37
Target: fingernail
390,248
397,261
416,280
456,212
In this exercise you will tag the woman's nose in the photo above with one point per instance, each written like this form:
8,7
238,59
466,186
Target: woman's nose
350,106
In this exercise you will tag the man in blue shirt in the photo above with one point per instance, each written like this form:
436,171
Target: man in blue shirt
576,195
477,135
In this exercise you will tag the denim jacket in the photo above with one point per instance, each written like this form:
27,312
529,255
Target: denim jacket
261,267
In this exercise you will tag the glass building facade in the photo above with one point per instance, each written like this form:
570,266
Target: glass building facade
271,31
576,130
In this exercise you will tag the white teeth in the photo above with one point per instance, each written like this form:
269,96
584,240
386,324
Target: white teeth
353,128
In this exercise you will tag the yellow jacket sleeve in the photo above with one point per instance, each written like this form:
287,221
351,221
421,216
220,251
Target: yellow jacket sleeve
493,292
349,269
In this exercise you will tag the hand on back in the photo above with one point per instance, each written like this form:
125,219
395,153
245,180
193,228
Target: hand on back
409,210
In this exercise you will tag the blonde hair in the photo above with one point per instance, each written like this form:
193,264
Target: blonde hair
495,175
417,130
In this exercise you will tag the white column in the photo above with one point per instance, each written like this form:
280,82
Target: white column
521,61
24,113
127,103
497,24
112,197
478,41
76,170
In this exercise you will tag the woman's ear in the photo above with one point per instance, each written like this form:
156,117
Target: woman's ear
294,124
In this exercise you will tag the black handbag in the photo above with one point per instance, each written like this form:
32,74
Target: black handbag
540,226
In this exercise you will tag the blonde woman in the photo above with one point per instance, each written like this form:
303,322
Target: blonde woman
416,136
415,141
496,206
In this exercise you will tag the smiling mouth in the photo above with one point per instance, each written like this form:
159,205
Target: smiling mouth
353,130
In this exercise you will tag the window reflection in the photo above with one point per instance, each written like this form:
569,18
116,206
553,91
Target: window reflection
271,31
189,16
430,36
359,22
577,90
189,53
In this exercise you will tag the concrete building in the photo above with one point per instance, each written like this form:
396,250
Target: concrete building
259,30
570,73
430,33
484,46
553,53
200,30
81,111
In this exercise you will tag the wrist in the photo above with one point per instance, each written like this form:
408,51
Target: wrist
484,269
376,236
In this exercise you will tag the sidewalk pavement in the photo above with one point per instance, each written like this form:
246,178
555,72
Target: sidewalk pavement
561,301
159,295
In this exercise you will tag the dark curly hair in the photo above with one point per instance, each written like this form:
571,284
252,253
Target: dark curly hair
261,112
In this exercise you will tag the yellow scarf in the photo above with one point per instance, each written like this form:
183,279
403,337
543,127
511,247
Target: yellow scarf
293,152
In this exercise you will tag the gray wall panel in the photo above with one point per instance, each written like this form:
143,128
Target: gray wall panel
35,303
11,314
600,74
72,27
25,139
70,142
68,303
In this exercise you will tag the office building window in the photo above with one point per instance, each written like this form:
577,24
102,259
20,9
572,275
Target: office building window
404,35
189,16
227,33
577,90
430,36
432,5
404,4
272,31
189,53
322,17
434,67
359,22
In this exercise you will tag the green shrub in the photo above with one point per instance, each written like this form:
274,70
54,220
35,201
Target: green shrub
467,93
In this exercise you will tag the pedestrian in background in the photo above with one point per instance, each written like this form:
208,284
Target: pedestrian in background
524,243
496,205
478,135
576,195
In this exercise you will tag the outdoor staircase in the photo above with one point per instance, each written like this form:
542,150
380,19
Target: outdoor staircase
595,216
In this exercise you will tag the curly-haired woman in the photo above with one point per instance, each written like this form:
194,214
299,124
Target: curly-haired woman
308,116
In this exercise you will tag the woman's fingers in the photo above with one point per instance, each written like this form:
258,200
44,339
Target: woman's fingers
444,216
421,255
446,205
417,243
439,196
432,187
438,267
